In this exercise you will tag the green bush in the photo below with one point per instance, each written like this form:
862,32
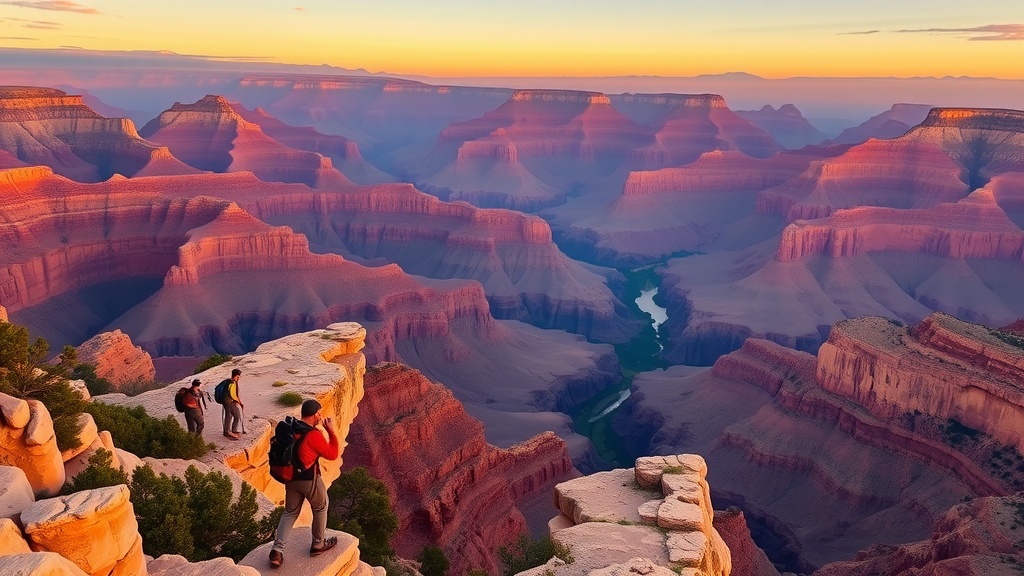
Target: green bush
24,373
433,562
289,399
360,506
215,360
197,516
139,433
99,474
93,383
527,553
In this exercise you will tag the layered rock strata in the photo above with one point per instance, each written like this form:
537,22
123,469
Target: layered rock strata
117,359
210,135
895,425
659,511
892,123
47,127
449,488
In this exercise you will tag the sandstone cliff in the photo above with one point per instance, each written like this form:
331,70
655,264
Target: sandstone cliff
449,487
117,359
657,514
210,135
47,127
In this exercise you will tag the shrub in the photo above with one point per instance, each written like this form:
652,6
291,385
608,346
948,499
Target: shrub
99,474
433,562
93,383
360,506
25,374
527,553
215,360
279,383
139,433
197,516
289,399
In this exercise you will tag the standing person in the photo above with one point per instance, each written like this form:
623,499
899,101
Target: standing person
195,404
232,406
310,484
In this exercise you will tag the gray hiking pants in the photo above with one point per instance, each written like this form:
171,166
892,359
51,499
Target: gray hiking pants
194,419
232,416
295,492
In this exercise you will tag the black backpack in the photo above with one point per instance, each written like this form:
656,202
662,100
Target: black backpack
179,399
284,450
220,393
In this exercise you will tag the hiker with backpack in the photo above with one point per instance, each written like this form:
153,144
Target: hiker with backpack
192,403
295,452
226,393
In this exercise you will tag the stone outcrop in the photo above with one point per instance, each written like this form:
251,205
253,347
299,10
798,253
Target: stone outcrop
892,123
95,529
324,364
117,359
449,488
41,564
27,441
747,558
659,511
174,565
786,125
343,560
11,539
977,538
210,135
48,127
15,492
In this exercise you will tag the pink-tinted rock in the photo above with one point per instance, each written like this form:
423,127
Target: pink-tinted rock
117,359
448,486
747,558
892,123
15,492
40,564
787,125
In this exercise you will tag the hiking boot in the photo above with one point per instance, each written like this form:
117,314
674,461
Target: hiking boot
276,558
231,436
327,545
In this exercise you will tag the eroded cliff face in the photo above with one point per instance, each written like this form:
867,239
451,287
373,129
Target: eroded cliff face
972,539
449,487
47,127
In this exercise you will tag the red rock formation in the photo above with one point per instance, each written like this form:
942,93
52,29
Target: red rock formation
117,359
720,172
449,487
45,126
343,152
210,135
975,227
786,125
747,558
685,126
973,539
892,123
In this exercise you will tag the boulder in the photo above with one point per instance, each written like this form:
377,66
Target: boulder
27,441
15,492
40,564
175,565
11,540
95,529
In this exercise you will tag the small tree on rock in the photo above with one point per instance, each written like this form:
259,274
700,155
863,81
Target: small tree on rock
360,506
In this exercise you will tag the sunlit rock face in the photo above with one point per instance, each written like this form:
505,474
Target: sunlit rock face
48,127
935,406
449,487
117,359
27,441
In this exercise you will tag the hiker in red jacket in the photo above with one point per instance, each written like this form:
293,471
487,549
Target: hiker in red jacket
195,405
310,484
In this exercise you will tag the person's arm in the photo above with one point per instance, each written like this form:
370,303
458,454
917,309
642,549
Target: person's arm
329,448
233,392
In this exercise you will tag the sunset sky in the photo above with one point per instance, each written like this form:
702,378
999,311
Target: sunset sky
769,38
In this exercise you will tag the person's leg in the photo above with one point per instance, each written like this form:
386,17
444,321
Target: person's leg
190,420
236,416
200,423
225,418
294,495
318,503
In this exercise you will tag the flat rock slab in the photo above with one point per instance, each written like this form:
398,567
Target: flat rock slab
343,559
175,565
649,469
687,548
611,496
678,515
40,564
15,492
601,544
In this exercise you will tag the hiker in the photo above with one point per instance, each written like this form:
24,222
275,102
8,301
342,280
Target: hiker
232,406
309,484
195,405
